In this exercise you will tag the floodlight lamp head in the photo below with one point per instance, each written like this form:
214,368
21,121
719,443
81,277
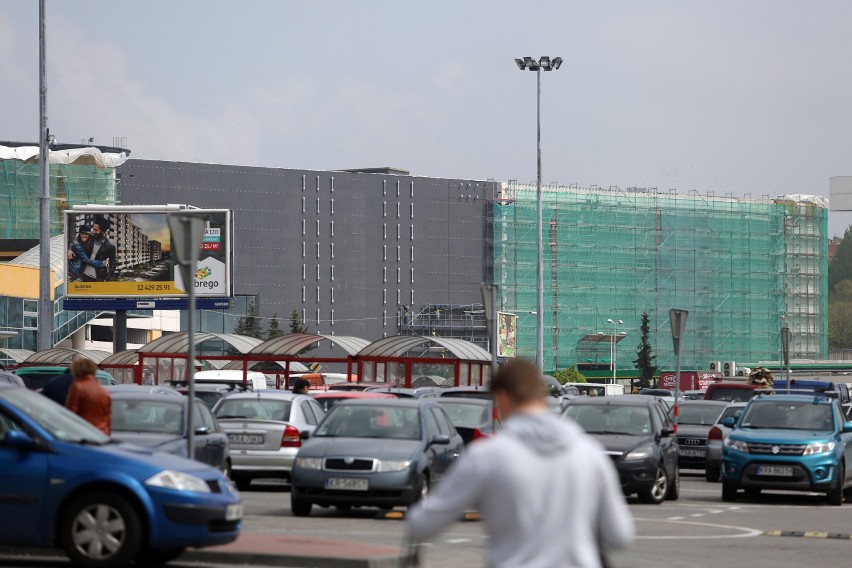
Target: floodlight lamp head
545,63
521,65
531,63
620,322
556,63
609,321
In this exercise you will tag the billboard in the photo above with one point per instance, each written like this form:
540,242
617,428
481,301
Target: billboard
125,252
507,332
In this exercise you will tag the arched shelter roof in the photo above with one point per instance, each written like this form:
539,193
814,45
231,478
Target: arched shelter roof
399,345
179,342
290,344
61,356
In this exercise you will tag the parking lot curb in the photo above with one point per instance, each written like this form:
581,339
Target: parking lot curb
810,534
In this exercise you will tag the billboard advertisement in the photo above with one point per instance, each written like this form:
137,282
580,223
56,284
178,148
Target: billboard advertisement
507,331
122,252
689,380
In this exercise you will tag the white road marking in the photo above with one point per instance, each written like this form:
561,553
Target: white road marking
745,531
714,511
697,515
457,540
675,518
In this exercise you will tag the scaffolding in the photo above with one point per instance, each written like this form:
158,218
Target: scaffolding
743,268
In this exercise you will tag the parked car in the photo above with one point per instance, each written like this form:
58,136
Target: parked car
692,395
638,436
11,379
482,393
847,410
715,438
160,422
403,392
143,389
211,394
694,422
263,429
254,380
150,506
374,454
791,443
355,386
815,387
327,399
36,378
473,417
731,392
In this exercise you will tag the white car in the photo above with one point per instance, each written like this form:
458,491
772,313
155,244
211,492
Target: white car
264,431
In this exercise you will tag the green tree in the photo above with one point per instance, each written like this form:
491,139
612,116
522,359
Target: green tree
569,375
840,268
298,326
645,357
274,329
250,324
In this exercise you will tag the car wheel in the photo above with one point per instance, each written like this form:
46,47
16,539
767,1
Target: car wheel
300,507
343,507
226,469
674,488
101,529
835,496
657,492
423,488
711,474
243,483
729,490
157,556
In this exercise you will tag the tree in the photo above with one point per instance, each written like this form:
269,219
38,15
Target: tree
840,325
840,268
569,375
250,324
298,326
274,330
645,357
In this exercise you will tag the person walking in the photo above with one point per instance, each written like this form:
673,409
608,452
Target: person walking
57,388
87,398
554,501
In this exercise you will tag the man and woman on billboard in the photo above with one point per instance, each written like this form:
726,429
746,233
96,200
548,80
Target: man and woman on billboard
91,257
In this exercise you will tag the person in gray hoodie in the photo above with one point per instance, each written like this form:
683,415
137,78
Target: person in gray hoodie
548,494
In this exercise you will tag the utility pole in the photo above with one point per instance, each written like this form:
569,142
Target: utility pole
45,304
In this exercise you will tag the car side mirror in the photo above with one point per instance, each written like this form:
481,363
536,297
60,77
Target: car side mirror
440,439
304,434
19,440
202,430
729,422
666,432
847,427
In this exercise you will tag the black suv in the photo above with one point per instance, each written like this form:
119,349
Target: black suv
637,435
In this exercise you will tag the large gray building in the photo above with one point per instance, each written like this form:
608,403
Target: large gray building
357,252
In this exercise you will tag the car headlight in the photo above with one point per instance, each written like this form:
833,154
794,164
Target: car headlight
178,481
738,445
819,448
309,463
385,466
640,453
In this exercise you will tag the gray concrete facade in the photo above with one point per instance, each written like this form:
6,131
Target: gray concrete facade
348,250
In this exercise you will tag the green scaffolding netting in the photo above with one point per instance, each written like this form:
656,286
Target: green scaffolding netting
743,268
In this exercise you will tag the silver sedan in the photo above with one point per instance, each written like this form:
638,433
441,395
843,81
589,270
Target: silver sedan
264,430
717,435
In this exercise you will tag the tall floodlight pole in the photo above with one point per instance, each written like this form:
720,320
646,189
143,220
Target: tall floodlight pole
45,305
613,348
677,318
546,64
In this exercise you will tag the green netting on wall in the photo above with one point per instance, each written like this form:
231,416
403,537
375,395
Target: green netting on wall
70,184
743,268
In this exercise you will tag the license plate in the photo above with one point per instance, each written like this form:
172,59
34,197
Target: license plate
250,439
776,470
347,484
691,453
234,512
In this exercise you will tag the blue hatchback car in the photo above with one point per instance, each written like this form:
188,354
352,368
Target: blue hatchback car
788,442
64,483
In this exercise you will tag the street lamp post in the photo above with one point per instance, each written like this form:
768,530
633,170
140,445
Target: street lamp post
612,347
546,64
677,318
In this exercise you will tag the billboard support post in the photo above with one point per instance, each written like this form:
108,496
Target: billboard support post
187,233
489,302
119,326
785,351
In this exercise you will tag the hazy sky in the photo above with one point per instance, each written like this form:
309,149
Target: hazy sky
741,97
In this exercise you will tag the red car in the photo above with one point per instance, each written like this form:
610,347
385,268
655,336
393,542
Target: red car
327,399
731,392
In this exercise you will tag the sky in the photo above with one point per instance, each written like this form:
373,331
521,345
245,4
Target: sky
748,98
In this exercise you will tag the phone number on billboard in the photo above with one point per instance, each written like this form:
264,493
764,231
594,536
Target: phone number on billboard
153,287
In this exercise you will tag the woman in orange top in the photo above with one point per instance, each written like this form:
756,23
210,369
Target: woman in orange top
87,398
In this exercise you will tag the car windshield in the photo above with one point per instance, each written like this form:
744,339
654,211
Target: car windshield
466,414
609,419
788,416
731,412
209,398
358,421
254,408
327,402
732,395
160,416
698,415
60,423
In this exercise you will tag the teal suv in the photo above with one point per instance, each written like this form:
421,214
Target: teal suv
790,443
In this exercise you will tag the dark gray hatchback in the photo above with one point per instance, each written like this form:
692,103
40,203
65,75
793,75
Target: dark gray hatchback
374,453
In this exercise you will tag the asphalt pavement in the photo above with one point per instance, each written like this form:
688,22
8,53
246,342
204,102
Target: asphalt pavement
699,530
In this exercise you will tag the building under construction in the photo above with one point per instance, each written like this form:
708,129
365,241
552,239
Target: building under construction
744,268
